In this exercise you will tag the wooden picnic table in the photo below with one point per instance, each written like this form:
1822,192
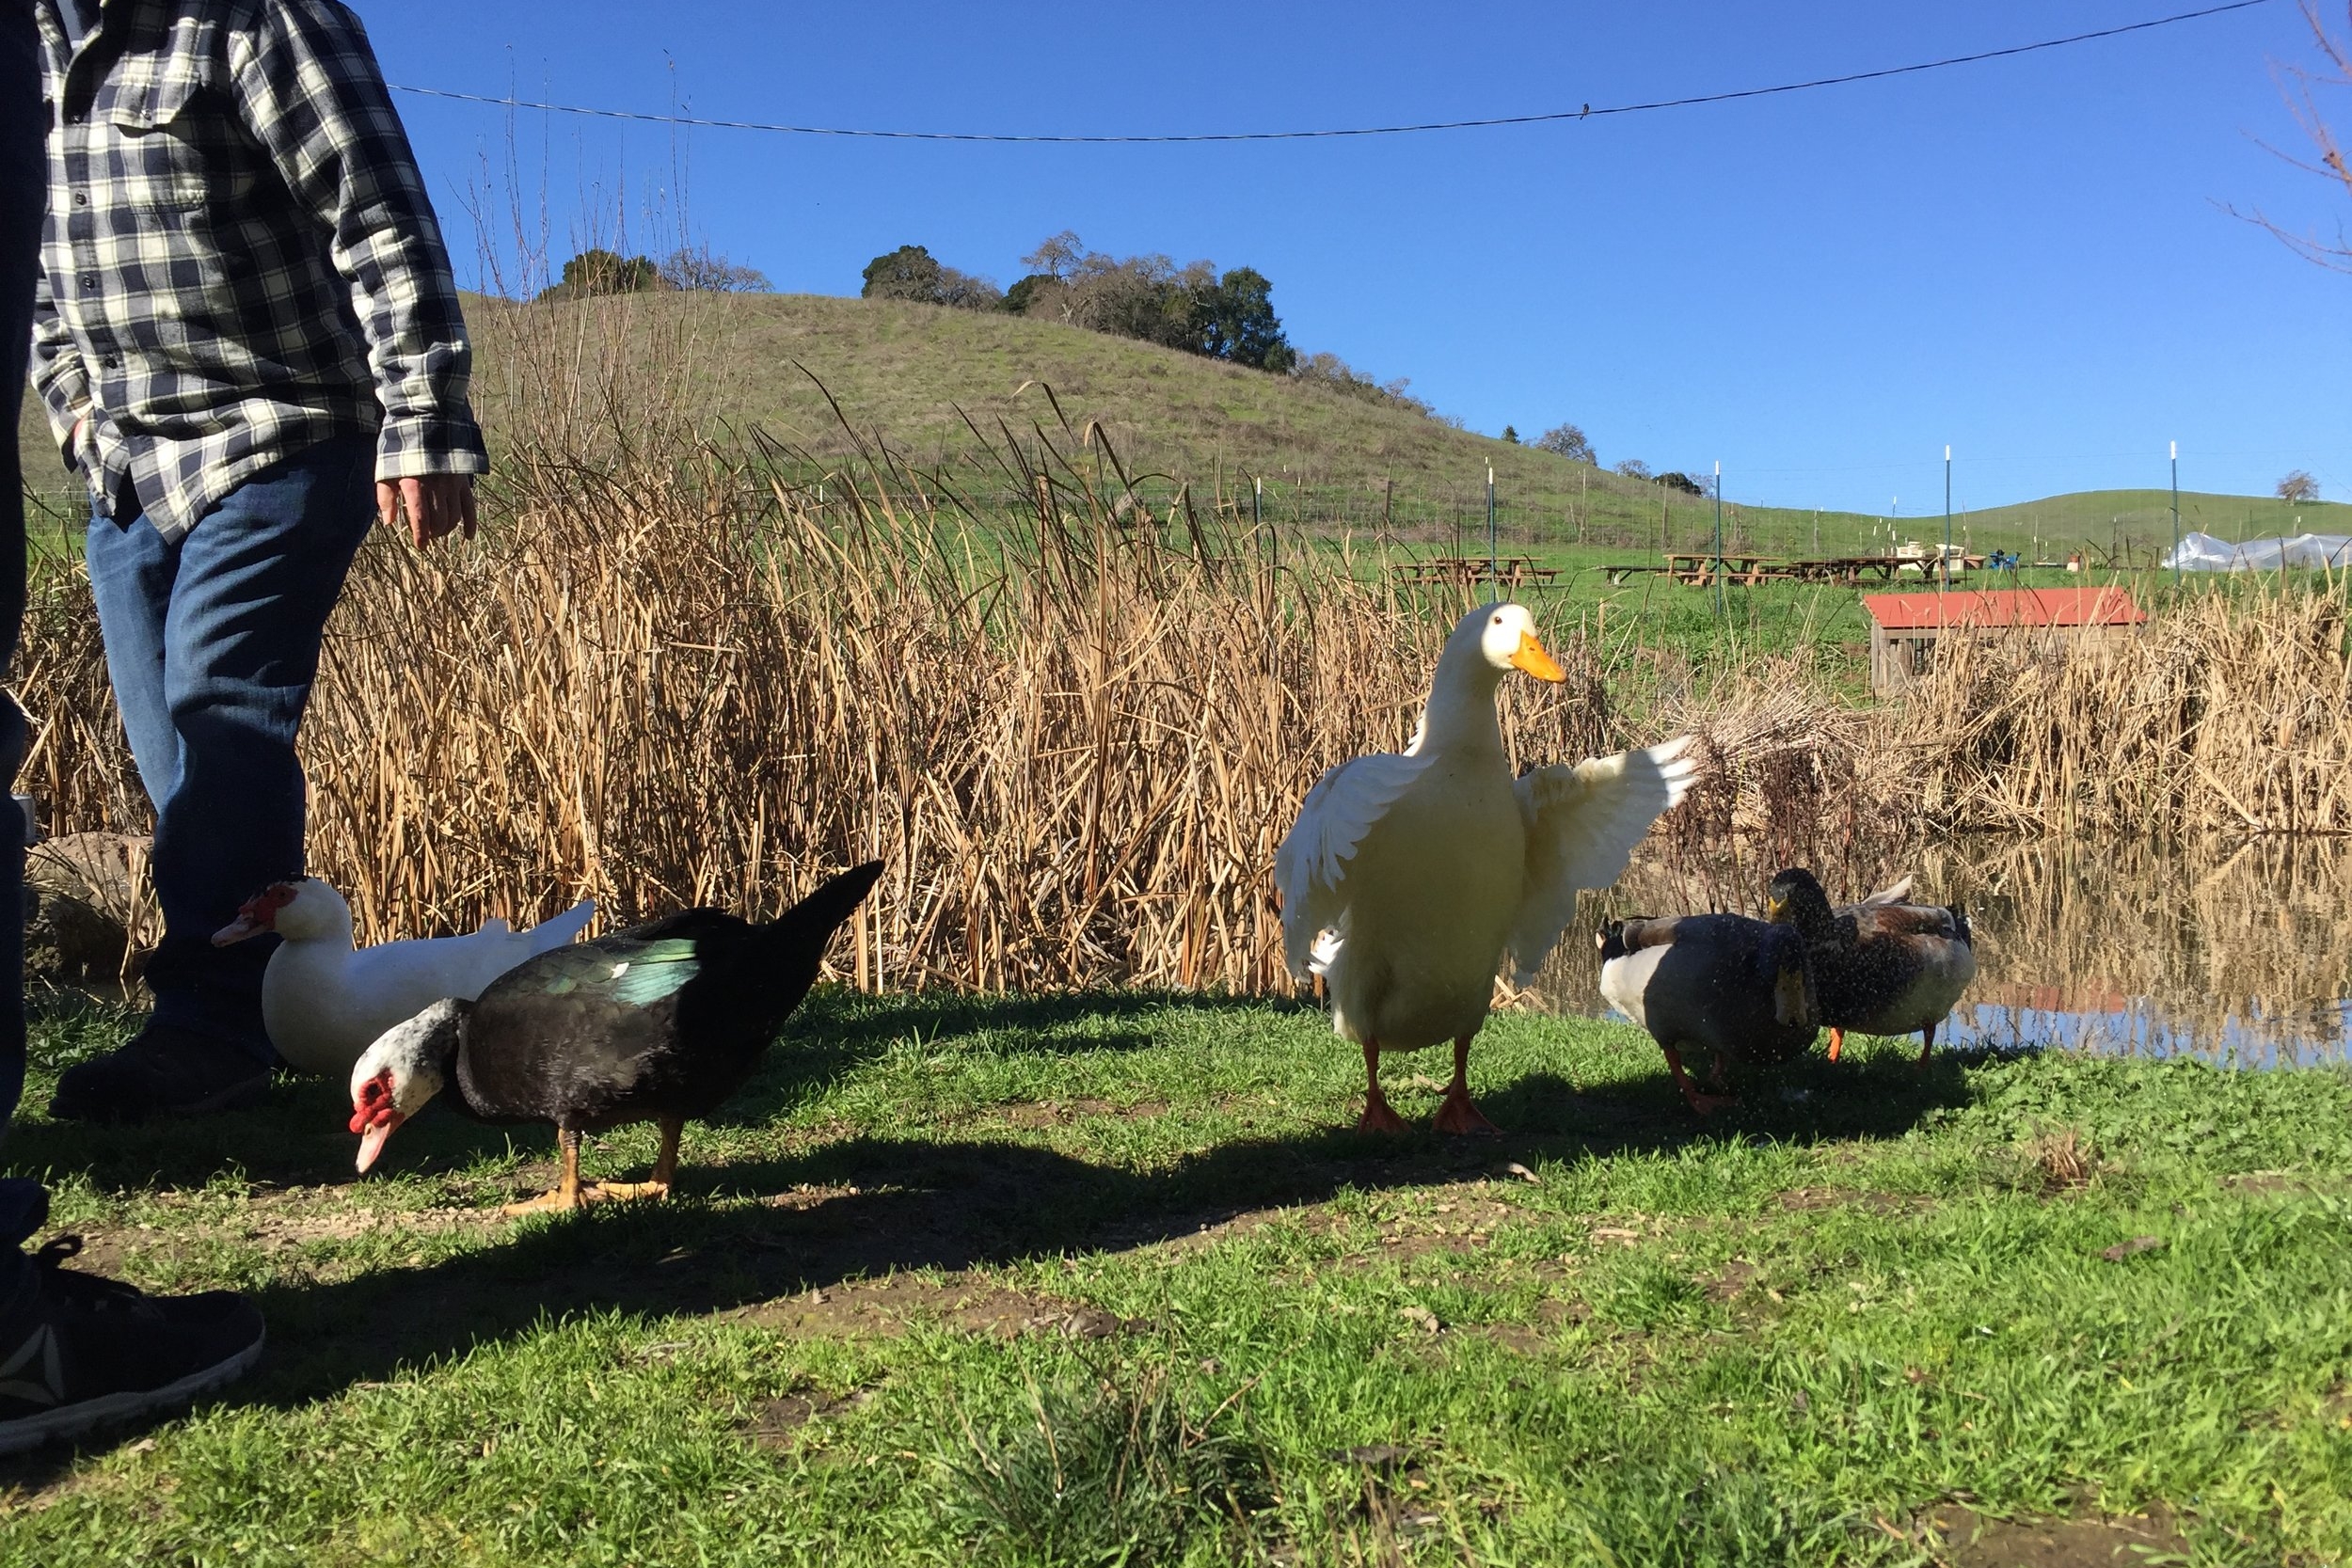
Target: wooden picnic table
1468,571
1852,570
1698,569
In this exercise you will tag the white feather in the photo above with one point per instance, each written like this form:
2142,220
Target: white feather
324,1002
1894,894
1583,823
1310,867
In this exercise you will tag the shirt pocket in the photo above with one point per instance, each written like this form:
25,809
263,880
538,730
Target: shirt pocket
162,128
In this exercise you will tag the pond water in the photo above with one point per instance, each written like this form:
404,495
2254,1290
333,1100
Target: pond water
2239,955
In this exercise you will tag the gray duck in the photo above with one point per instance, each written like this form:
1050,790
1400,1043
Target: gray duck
1735,988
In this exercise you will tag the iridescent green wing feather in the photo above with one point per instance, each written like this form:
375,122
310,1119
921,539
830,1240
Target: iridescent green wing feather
637,978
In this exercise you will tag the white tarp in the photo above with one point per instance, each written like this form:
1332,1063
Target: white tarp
2203,552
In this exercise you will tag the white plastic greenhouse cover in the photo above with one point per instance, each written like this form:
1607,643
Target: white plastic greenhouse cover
2203,552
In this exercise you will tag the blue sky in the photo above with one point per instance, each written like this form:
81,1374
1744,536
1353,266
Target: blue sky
2028,259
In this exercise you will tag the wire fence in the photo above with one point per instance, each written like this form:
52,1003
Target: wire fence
1639,521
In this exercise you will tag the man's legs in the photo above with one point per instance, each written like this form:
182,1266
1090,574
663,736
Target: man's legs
131,571
258,578
76,1350
213,644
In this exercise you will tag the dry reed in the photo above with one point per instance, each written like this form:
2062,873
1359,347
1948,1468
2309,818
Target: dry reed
676,673
2061,1161
2230,712
1075,737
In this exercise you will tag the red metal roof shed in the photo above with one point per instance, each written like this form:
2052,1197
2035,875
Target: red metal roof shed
2017,606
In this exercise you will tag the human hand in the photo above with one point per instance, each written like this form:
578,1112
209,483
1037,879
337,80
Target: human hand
434,504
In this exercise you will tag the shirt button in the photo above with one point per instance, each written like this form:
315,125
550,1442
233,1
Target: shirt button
73,120
89,281
81,198
111,362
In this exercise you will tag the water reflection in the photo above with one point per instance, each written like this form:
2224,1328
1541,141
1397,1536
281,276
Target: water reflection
2239,955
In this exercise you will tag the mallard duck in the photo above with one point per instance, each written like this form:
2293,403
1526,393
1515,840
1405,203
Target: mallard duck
658,1022
1883,966
324,1001
1735,988
1408,877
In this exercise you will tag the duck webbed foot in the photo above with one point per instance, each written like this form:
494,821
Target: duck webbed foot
571,1192
665,1169
1378,1116
555,1201
1927,1044
559,1201
1705,1104
567,1193
1836,1043
1457,1114
622,1192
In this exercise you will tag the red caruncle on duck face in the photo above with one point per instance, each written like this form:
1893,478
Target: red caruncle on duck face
373,1101
256,914
375,1116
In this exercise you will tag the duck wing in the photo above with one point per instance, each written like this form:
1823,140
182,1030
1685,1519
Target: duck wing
580,1033
556,932
1894,893
1583,823
1873,922
475,961
1310,867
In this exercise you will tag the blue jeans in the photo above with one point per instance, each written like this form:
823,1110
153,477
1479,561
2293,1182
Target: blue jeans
23,177
211,643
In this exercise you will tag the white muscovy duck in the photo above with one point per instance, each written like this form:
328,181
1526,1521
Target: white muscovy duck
1407,877
324,1001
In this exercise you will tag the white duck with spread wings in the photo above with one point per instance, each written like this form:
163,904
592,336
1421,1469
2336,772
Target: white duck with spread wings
324,1001
1407,877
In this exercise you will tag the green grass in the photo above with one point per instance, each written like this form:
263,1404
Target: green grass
1041,1280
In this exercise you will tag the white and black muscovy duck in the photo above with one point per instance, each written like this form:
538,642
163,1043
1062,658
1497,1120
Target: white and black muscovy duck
324,1001
660,1023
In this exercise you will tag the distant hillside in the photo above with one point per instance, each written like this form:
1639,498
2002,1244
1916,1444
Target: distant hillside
903,370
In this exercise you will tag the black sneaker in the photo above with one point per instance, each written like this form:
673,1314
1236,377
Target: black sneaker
79,1351
162,1071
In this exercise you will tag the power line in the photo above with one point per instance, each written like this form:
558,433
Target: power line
1586,112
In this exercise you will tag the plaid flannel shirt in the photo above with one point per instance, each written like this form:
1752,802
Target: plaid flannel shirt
240,260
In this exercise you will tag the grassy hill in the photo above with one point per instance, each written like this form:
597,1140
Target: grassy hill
910,375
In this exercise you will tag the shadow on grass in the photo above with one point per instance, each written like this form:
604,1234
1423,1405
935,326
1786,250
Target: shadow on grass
300,1136
870,1205
837,1031
882,1204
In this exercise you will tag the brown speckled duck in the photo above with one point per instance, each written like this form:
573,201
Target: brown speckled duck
1883,966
